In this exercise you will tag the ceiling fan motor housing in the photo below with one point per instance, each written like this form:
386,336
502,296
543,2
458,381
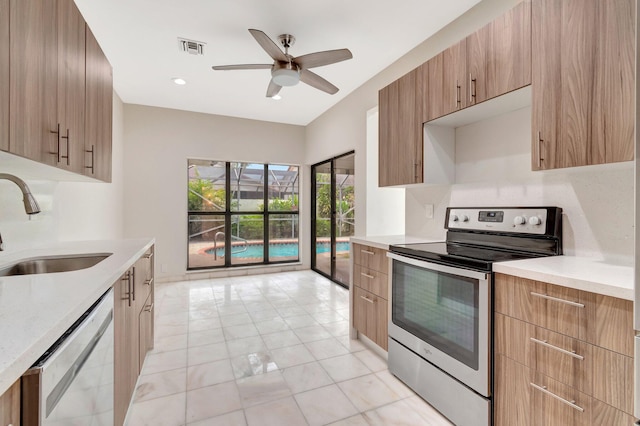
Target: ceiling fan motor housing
285,73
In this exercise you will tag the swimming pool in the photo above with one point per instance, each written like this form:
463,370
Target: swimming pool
276,250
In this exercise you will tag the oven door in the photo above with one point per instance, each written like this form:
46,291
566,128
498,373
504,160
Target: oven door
443,314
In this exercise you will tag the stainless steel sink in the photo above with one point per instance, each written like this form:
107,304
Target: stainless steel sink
51,264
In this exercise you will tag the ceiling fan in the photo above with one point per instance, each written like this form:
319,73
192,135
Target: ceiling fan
287,70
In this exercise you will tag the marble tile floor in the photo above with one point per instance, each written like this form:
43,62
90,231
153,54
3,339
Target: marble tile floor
265,350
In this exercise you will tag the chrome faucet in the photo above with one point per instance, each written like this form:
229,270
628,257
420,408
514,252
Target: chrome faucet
30,203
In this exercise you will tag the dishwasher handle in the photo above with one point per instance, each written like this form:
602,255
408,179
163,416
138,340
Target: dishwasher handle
65,381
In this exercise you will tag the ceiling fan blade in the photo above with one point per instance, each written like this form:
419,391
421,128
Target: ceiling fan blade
273,89
314,80
326,57
269,46
242,67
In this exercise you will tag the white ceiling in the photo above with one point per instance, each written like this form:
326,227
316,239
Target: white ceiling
140,38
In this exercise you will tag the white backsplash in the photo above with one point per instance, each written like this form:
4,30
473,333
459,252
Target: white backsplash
493,169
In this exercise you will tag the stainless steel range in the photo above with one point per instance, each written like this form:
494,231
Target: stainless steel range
440,333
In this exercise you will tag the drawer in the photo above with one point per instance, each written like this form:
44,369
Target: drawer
557,404
604,374
562,358
370,316
371,258
601,320
371,280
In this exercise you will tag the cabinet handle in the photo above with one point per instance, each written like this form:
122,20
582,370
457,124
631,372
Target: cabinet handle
540,159
367,299
92,151
148,256
556,348
367,252
64,156
472,88
149,308
57,132
457,102
571,403
417,170
556,299
367,275
127,278
133,282
148,282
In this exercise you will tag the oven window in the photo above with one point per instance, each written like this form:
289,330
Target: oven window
438,308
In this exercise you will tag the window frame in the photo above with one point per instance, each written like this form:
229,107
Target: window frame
228,213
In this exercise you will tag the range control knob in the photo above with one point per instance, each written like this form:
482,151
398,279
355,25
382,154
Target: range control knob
534,220
464,218
454,217
519,220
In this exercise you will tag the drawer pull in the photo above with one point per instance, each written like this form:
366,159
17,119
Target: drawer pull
367,299
556,299
571,404
367,275
149,308
550,346
367,252
148,256
149,281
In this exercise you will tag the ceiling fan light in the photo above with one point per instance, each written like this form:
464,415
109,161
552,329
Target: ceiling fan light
285,77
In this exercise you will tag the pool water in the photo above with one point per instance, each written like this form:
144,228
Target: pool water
277,250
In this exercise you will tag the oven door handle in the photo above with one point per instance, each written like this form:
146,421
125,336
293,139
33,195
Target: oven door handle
440,268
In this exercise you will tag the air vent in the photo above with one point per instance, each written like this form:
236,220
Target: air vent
191,46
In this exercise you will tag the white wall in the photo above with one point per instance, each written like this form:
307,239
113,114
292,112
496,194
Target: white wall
493,168
385,206
158,143
70,210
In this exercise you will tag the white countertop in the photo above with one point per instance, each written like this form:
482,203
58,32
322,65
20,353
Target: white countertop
582,273
384,241
36,309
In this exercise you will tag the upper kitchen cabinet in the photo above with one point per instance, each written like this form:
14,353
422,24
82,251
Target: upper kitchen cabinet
499,55
99,111
400,131
446,82
583,97
32,78
55,88
4,75
67,150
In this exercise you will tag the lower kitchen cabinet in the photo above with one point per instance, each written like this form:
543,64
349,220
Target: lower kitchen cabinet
563,356
133,327
10,406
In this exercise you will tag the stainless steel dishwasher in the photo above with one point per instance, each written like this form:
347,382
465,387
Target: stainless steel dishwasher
72,383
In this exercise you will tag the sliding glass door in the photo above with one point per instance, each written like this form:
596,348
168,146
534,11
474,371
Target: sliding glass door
332,217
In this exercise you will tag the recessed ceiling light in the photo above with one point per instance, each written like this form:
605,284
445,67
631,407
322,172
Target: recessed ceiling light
276,97
179,81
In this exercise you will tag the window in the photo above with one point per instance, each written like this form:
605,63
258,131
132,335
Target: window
241,214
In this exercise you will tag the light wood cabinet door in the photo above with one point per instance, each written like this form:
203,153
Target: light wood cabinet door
69,143
10,406
370,316
126,359
445,84
4,75
400,131
33,79
98,110
371,280
583,82
512,393
371,258
145,337
499,55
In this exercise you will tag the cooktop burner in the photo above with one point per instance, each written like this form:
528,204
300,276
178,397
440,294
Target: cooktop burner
477,237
